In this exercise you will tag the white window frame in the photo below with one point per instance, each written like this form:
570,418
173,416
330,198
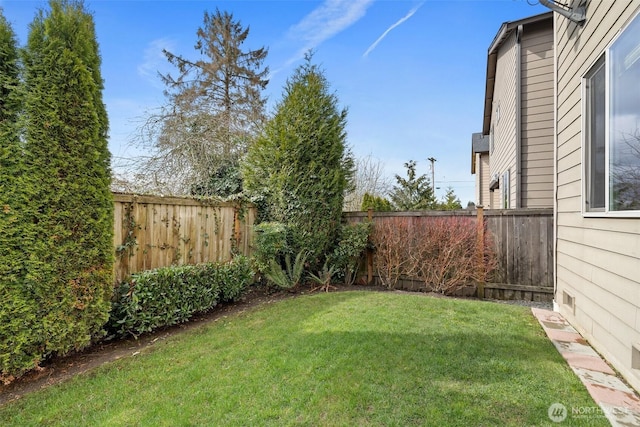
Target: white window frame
606,212
506,191
491,140
586,140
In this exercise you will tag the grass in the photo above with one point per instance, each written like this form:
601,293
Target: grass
348,358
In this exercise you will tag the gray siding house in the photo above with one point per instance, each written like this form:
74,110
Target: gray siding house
597,169
512,157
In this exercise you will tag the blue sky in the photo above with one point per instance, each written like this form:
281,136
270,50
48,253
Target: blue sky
411,73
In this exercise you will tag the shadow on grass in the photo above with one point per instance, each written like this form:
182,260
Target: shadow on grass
348,358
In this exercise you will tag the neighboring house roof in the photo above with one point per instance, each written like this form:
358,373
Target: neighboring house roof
479,144
505,31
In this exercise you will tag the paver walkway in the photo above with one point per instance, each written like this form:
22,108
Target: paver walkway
618,402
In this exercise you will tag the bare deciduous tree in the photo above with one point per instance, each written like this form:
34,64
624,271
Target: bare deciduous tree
369,178
214,109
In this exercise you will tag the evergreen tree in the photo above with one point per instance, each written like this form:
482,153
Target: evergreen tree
300,166
413,193
11,155
377,203
215,109
11,158
70,265
451,202
18,310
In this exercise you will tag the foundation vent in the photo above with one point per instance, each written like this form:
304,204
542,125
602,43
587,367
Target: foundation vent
635,356
568,300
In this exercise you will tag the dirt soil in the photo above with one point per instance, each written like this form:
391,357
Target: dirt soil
59,369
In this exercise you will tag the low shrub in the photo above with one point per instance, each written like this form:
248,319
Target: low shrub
392,239
323,278
271,243
347,255
171,295
233,278
444,253
291,275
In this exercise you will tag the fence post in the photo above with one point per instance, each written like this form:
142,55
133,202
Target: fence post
369,252
481,268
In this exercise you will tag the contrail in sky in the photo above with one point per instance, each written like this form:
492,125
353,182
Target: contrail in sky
154,60
407,16
327,20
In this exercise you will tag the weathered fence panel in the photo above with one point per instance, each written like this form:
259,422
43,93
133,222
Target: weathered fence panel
523,245
152,232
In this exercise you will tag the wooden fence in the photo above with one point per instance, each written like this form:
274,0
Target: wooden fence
152,231
523,245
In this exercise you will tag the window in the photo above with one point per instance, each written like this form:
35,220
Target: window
612,126
491,140
506,184
595,132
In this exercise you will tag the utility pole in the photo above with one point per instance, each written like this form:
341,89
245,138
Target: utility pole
433,175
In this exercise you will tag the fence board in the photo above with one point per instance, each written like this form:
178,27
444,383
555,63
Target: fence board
152,232
523,244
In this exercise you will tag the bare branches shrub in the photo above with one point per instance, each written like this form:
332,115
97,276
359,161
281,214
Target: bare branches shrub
443,252
392,253
451,256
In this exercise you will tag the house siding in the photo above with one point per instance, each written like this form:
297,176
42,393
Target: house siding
503,157
597,259
483,178
522,115
537,116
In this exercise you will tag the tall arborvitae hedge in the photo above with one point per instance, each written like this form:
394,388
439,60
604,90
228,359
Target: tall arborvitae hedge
11,164
65,133
19,329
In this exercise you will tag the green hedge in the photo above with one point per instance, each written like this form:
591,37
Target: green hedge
234,278
56,206
171,295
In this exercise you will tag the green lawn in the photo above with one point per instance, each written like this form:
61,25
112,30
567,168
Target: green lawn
348,358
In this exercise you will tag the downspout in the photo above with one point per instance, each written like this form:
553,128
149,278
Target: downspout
556,306
519,117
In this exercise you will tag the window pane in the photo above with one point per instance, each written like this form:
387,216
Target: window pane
596,137
506,190
624,134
